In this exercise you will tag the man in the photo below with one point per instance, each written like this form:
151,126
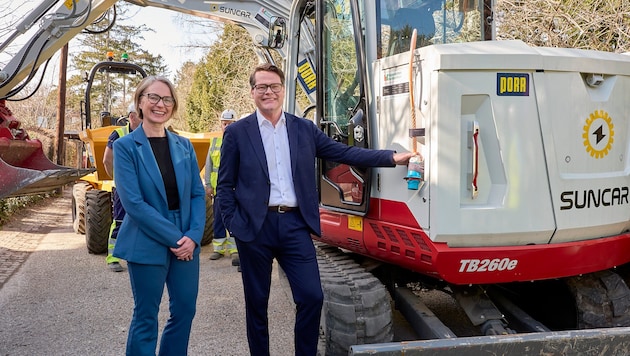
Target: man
267,192
133,121
221,242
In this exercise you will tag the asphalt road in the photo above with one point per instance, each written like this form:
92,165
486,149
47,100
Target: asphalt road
56,299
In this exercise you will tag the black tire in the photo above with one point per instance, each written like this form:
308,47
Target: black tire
208,231
602,300
98,220
357,307
78,206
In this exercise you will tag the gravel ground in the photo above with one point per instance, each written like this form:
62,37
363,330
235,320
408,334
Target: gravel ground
56,299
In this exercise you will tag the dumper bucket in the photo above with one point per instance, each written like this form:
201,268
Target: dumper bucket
201,142
96,140
25,170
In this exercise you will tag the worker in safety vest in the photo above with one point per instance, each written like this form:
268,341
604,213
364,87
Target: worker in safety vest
133,121
221,242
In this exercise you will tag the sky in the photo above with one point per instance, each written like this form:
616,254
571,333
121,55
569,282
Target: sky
169,37
168,40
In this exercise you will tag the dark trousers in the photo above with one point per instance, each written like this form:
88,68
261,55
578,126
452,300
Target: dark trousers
217,225
286,238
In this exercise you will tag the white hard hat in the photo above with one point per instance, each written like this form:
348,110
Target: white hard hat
228,115
131,108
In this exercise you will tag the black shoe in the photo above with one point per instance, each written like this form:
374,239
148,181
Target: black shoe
115,267
216,256
236,261
238,268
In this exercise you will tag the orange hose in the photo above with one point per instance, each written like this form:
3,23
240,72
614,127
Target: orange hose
412,105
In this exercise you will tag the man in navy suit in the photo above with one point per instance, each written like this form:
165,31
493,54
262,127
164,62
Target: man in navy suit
268,197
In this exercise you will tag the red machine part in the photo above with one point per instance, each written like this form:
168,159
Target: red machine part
389,233
9,125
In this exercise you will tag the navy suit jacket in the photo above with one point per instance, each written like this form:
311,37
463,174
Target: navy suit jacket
146,233
243,186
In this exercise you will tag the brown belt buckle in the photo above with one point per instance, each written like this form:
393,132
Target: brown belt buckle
282,209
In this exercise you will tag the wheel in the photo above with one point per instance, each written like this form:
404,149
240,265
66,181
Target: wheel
98,220
602,300
79,190
357,307
208,231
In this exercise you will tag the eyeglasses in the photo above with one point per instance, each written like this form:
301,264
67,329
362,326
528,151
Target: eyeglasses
154,99
262,88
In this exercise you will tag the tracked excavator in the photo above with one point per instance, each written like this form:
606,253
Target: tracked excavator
517,204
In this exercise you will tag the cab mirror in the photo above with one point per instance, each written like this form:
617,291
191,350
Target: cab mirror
277,32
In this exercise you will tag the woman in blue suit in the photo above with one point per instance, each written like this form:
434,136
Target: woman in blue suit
157,179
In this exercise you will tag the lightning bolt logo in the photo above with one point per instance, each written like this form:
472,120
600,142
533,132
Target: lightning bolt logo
598,134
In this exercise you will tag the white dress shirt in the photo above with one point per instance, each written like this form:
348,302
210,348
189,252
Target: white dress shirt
276,143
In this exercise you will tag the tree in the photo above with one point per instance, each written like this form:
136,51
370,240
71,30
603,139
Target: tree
221,80
183,84
113,92
586,24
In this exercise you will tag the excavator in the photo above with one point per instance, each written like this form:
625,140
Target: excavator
516,206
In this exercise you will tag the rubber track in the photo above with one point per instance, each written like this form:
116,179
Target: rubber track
79,190
602,300
357,307
98,220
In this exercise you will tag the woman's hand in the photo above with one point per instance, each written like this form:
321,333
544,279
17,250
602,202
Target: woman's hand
185,250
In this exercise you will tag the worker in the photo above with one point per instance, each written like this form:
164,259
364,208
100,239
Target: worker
133,121
222,242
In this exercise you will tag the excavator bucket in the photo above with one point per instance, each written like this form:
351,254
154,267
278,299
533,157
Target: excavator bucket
612,341
25,170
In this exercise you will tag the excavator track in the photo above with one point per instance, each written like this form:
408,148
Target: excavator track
602,300
357,307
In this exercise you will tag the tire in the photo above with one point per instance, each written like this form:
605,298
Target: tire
602,300
98,220
208,231
79,189
357,307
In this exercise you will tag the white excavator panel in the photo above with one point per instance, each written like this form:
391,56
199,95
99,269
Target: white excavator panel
522,145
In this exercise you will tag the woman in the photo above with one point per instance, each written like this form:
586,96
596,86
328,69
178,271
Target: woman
157,179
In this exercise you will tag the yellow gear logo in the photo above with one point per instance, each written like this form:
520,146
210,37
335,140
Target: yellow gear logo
598,134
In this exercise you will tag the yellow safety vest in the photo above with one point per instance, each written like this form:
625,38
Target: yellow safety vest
215,157
122,131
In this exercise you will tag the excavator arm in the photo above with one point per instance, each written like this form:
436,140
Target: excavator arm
60,21
52,24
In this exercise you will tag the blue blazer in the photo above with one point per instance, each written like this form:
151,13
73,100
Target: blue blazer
243,187
146,232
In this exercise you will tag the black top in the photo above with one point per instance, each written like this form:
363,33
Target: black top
163,157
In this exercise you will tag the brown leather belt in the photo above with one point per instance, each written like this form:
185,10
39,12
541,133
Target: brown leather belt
281,209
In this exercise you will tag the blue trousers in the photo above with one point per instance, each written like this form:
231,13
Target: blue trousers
147,284
286,238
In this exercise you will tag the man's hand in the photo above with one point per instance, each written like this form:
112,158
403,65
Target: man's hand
209,192
403,157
